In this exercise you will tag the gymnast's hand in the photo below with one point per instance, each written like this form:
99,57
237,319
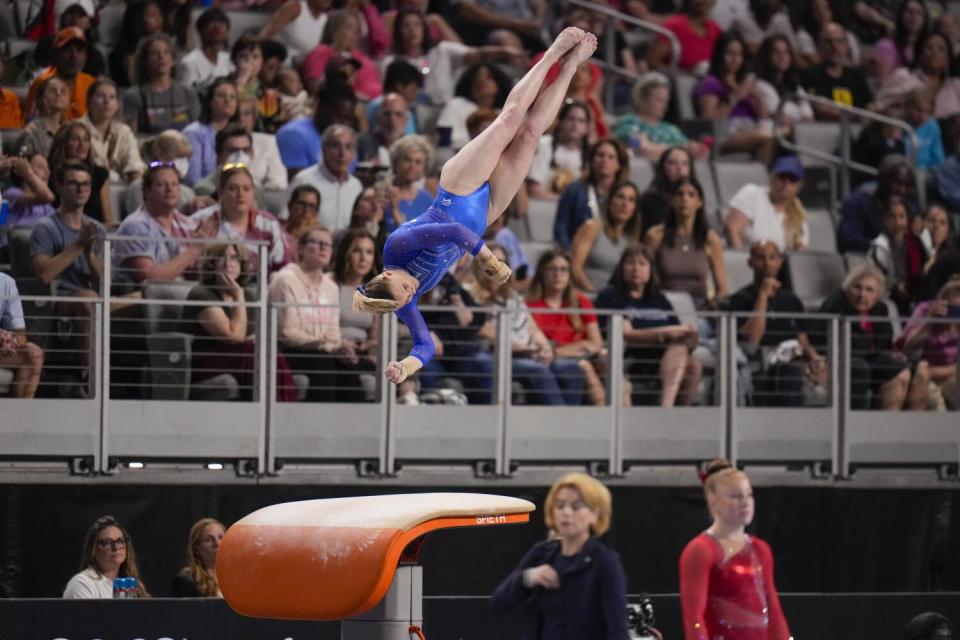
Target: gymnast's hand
493,268
397,372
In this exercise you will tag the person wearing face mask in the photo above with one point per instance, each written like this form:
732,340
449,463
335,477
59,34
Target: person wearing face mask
571,585
199,578
727,588
234,145
112,142
170,146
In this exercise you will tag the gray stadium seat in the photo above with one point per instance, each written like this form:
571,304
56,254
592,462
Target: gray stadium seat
815,275
854,259
823,234
170,350
533,251
704,172
641,172
739,273
683,304
110,24
6,382
733,175
427,116
118,198
821,136
685,82
19,244
541,214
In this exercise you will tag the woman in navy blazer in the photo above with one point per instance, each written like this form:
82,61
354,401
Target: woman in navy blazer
607,164
572,587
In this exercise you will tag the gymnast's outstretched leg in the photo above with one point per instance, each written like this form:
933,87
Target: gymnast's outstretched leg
514,164
476,162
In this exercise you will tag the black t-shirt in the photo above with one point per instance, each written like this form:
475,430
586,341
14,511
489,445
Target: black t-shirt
658,310
849,89
777,329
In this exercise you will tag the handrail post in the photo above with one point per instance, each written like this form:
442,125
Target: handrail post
504,369
615,376
102,384
266,387
270,449
610,55
844,155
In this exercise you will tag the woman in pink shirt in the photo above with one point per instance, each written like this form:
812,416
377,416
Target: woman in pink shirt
308,322
341,36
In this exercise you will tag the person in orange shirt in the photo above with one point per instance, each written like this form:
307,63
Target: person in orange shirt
70,47
9,106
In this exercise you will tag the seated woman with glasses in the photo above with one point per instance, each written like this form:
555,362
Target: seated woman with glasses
476,186
302,209
308,322
107,555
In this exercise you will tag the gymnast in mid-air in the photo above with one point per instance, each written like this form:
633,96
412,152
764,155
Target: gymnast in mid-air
476,186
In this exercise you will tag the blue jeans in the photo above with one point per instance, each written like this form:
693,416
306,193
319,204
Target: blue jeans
561,383
474,371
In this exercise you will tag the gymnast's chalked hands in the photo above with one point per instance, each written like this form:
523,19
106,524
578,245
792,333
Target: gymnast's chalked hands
496,270
397,372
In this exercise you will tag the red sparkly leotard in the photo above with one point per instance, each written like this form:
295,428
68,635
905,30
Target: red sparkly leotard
732,599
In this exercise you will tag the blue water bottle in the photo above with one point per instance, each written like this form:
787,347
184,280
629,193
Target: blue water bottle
131,587
118,591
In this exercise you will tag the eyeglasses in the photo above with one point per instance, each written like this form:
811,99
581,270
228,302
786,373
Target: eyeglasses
76,184
305,205
320,244
116,543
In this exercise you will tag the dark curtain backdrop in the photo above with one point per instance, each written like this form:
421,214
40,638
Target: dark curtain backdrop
824,540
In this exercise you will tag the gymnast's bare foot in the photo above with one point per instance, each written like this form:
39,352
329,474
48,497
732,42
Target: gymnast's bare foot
584,49
566,41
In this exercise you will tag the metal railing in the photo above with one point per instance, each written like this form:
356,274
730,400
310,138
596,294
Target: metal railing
843,159
508,425
609,63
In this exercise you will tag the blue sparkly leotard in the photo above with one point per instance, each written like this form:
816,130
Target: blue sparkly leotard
427,246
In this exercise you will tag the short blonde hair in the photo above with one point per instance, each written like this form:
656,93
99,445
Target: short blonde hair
408,144
865,271
593,492
366,299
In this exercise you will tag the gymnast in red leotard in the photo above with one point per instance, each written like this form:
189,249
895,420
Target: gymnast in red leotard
727,590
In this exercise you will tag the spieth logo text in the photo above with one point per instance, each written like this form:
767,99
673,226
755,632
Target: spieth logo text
497,519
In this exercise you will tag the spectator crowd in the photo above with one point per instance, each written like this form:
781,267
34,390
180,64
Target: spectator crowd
202,150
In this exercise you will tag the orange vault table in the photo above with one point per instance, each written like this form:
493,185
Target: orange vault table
336,559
